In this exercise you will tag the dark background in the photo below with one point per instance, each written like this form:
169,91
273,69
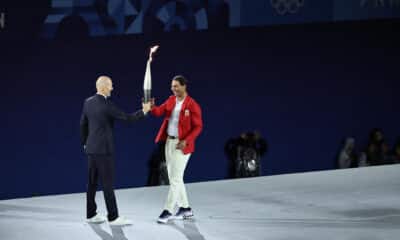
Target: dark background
304,87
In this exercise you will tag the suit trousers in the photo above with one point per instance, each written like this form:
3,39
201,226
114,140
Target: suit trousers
101,166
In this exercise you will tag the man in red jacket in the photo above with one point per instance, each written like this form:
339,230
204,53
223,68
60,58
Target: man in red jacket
181,126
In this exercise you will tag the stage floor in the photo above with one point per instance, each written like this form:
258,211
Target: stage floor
362,204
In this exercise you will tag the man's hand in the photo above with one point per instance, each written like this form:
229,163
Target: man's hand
152,51
181,145
152,102
146,107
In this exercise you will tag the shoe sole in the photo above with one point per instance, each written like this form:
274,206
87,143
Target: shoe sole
164,221
188,216
96,222
178,217
183,217
120,224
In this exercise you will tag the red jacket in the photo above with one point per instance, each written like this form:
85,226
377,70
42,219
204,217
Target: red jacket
190,121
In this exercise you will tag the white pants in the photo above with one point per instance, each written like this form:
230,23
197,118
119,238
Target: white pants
176,163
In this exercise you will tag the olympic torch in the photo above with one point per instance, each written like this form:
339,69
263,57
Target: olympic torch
147,76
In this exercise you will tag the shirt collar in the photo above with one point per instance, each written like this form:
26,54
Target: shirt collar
105,97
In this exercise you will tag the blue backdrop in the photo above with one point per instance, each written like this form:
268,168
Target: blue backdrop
304,87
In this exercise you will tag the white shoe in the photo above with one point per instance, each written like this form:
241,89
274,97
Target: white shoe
121,221
96,219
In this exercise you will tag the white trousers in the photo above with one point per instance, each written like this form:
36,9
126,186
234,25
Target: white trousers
176,163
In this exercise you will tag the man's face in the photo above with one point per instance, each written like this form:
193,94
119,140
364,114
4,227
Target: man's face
108,88
177,88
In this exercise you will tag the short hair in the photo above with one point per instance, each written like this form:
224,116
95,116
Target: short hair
181,79
102,81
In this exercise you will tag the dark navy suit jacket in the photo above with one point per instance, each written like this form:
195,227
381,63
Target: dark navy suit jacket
97,123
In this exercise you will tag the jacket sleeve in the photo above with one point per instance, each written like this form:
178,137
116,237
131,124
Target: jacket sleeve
159,111
118,114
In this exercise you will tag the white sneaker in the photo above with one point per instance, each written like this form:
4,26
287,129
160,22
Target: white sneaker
96,219
121,221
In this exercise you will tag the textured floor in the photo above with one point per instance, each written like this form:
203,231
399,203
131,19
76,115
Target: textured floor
362,204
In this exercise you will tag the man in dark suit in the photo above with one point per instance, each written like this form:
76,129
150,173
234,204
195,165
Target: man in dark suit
96,124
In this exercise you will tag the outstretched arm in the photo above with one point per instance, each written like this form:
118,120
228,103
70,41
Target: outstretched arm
158,111
117,113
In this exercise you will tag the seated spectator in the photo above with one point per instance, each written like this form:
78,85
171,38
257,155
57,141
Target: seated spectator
347,157
362,160
395,154
244,155
377,149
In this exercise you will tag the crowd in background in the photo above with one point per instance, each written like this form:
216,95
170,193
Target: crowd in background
245,152
376,152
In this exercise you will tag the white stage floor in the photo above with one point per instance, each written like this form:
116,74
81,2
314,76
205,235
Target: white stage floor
362,204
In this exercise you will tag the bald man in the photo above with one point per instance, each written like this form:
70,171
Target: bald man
97,122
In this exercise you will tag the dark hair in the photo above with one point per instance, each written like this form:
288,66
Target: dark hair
181,79
372,135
